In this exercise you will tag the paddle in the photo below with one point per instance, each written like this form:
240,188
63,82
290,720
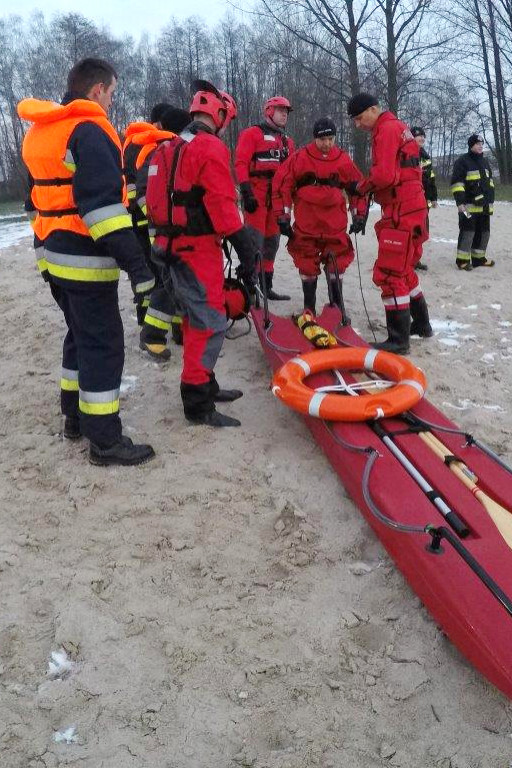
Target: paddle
501,517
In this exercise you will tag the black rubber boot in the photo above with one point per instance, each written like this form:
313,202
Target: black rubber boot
420,325
154,342
271,294
71,430
123,453
398,322
309,291
420,265
199,406
223,395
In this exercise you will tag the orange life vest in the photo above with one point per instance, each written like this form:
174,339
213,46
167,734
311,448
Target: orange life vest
149,141
50,162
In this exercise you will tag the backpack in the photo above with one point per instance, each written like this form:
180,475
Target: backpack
174,206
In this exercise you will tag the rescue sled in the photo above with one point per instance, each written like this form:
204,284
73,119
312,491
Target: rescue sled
438,499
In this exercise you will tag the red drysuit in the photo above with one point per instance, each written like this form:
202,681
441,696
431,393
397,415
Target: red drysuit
313,182
204,204
395,179
260,150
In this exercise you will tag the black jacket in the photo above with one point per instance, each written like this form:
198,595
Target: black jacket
472,183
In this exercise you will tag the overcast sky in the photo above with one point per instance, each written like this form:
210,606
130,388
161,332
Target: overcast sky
123,16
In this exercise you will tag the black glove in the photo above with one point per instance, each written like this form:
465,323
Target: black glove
249,201
246,252
352,189
141,301
285,226
358,225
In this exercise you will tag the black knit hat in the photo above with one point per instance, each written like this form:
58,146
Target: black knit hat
474,139
157,111
174,119
417,131
324,127
360,102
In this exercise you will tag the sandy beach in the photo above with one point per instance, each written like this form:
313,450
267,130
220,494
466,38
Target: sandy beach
227,605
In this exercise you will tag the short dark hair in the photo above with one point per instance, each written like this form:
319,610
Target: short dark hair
175,119
87,73
157,111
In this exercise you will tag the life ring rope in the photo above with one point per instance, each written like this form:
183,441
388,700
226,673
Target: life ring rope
408,384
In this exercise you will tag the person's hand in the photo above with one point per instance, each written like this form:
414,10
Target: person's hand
358,225
249,201
434,204
285,227
462,209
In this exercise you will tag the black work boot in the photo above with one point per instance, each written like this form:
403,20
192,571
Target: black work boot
464,264
272,295
420,325
398,322
124,453
71,430
482,262
420,265
154,342
215,419
309,291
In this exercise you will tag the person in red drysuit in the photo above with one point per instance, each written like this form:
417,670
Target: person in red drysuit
259,152
395,180
203,209
313,180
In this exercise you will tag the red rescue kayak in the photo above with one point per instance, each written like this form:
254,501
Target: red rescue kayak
452,544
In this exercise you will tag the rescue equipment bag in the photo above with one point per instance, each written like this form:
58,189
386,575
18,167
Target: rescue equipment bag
393,250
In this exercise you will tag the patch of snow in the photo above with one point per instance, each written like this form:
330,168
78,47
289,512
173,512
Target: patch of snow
471,306
60,664
67,736
442,240
449,342
496,306
504,323
465,404
488,358
128,382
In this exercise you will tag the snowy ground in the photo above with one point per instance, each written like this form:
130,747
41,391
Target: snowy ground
226,605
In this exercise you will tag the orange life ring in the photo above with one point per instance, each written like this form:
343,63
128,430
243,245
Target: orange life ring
288,384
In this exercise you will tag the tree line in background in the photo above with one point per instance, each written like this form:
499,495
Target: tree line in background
446,66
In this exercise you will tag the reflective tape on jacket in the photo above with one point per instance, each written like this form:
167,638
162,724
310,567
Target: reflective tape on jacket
131,191
40,258
480,209
458,187
145,287
99,403
109,218
87,268
69,380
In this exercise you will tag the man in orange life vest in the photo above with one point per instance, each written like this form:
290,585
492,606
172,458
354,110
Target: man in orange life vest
395,179
74,157
313,180
191,201
259,152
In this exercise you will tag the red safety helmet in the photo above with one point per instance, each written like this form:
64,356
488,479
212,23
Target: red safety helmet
232,109
276,101
212,102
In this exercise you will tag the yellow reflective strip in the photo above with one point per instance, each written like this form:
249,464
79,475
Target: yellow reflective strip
145,302
463,255
473,175
142,223
177,320
152,239
99,409
476,209
144,209
156,322
85,275
458,187
131,194
69,385
491,183
107,226
42,264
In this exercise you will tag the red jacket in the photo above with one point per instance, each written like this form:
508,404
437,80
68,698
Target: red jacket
395,175
314,183
259,152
